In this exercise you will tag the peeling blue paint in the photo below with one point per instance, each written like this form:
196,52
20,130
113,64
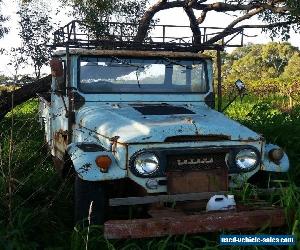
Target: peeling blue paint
109,120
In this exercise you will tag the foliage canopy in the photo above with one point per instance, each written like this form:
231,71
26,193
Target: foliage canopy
36,26
257,61
3,19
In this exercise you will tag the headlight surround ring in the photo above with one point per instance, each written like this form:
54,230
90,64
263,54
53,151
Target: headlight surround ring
246,159
146,164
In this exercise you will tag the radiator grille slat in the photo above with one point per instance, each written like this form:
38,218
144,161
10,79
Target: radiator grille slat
196,162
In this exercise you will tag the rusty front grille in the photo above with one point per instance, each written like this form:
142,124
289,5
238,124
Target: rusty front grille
199,172
196,162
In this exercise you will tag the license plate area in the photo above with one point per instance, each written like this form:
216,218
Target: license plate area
180,182
200,172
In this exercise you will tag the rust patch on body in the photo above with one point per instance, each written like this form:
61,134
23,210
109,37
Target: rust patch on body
60,139
180,182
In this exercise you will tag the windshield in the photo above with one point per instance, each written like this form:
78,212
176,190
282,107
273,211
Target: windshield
132,75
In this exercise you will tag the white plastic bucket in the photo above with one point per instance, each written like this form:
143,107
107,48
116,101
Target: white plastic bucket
220,203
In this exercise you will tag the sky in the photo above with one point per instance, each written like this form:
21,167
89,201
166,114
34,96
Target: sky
174,17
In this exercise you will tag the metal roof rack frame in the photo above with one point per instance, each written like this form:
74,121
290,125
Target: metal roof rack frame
115,35
122,36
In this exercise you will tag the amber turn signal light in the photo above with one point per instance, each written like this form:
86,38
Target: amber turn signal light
103,162
276,155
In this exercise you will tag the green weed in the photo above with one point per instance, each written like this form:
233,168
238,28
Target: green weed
41,204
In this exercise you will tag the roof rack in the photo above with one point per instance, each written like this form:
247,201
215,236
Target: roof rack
115,35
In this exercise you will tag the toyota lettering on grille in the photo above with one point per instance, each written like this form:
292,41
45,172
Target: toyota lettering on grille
204,161
195,161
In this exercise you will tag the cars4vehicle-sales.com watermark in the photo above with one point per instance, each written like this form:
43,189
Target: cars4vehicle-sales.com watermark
256,240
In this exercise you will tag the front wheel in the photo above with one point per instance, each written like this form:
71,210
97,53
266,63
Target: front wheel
265,179
90,202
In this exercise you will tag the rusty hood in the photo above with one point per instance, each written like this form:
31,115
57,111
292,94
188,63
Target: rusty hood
158,122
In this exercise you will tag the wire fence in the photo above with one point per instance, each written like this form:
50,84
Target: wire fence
33,198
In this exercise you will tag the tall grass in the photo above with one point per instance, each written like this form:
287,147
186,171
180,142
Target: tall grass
42,205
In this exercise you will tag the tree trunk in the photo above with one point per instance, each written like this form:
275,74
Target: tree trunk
23,94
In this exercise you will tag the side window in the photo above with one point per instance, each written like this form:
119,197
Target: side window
64,82
180,73
61,80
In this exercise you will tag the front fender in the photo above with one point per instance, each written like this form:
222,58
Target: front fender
86,168
269,165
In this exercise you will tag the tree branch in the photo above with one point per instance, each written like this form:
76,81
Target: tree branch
146,19
251,9
231,31
244,17
193,22
23,94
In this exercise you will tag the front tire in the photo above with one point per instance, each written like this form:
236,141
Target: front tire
265,179
90,202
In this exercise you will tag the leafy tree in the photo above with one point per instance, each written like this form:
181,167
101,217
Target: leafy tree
3,19
276,56
36,26
4,78
104,10
259,62
279,16
97,13
17,60
290,80
267,69
292,70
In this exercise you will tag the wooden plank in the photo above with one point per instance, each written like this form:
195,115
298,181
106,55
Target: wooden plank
192,224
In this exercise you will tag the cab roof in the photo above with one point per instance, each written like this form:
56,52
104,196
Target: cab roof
131,53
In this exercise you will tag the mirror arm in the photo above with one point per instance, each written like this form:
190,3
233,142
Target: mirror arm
229,103
219,87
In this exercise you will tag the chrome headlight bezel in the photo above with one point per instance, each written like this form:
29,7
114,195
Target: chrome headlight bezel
140,161
253,159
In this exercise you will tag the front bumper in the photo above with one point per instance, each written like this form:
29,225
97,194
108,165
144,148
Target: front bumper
188,216
164,224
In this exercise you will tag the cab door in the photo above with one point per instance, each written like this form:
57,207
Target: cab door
59,107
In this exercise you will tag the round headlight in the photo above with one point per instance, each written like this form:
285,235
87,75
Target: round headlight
246,159
146,163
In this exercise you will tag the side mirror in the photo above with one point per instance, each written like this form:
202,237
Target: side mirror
57,71
240,85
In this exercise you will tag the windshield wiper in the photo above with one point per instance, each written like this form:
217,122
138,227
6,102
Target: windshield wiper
173,62
137,78
138,67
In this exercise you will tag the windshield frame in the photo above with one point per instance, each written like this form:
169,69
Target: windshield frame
145,58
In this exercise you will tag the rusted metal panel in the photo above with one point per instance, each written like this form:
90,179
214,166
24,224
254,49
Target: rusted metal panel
197,181
60,142
128,201
192,224
171,198
165,212
130,53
